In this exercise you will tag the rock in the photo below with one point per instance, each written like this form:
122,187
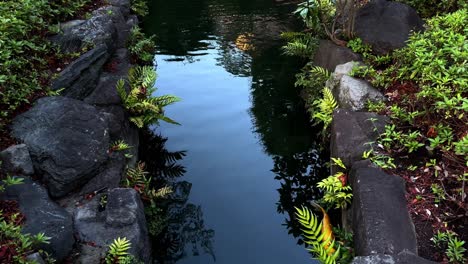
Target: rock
120,29
35,258
16,159
386,25
381,222
124,6
123,216
67,139
402,258
351,132
352,93
106,91
329,55
80,77
374,259
110,177
406,257
43,215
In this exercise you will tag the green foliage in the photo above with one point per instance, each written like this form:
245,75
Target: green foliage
141,47
300,44
155,219
336,192
139,7
144,108
324,107
453,247
11,236
118,251
9,181
322,249
23,49
430,8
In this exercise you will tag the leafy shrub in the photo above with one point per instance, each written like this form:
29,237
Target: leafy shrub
337,192
430,8
23,47
144,108
141,47
139,7
324,108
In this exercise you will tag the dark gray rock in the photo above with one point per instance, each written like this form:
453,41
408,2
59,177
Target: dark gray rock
110,177
16,159
352,93
68,141
106,91
329,55
120,31
351,133
386,25
124,6
123,216
80,77
381,222
43,215
406,257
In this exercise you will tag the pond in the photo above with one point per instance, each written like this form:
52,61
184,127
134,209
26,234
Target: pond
251,152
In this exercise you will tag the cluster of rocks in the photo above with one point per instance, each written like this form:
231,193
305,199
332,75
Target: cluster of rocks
66,141
382,227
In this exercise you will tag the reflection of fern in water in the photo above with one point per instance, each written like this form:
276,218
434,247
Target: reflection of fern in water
159,161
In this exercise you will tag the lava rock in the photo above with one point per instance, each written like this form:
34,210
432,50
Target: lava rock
16,159
386,25
43,216
124,6
67,139
351,133
80,77
35,258
123,216
381,222
329,55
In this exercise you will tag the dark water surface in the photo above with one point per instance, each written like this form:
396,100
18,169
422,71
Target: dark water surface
250,148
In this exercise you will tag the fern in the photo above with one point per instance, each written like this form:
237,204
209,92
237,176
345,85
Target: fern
324,108
118,251
317,236
144,108
300,44
161,193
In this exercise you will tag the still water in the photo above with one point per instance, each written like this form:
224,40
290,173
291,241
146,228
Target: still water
250,148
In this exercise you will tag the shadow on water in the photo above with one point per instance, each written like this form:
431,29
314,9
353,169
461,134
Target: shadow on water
242,38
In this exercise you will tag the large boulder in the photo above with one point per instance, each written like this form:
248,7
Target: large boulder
386,25
16,160
43,216
122,216
80,77
68,141
351,133
381,222
352,93
329,55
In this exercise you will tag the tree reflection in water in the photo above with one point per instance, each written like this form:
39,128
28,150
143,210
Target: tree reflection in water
185,232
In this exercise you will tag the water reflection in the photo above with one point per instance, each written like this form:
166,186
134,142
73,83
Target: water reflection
185,233
242,37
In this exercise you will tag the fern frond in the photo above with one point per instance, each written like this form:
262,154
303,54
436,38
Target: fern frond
320,72
322,243
325,107
121,90
161,193
118,250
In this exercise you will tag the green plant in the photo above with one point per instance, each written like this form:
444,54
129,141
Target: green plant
141,47
453,247
139,7
300,44
319,237
9,181
155,219
324,107
438,192
430,8
118,251
119,145
143,106
336,191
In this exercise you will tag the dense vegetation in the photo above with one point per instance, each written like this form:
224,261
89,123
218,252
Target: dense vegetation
427,140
